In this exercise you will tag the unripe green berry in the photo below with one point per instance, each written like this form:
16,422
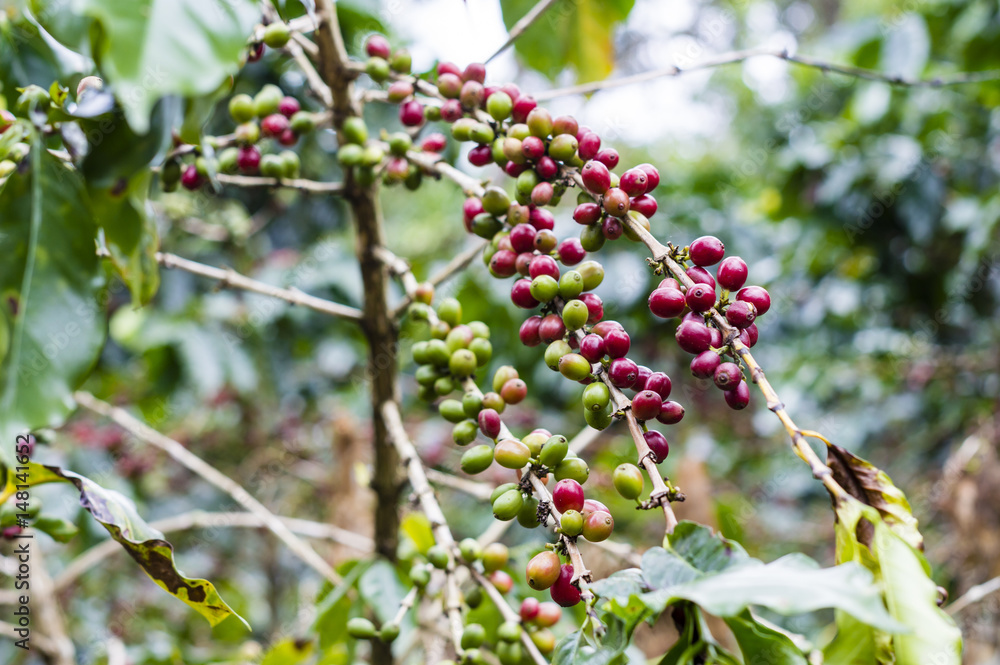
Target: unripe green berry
399,143
482,133
437,352
452,411
555,351
492,400
574,367
444,385
495,201
420,576
465,432
554,450
277,35
593,274
544,288
592,238
596,397
506,507
267,100
372,156
571,523
485,225
377,68
509,631
241,108
473,636
290,164
461,129
528,515
472,404
438,557
512,454
570,284
539,122
361,628
470,549
573,468
599,419
482,349
575,314
388,633
500,489
350,155
628,480
271,166
355,130
535,441
563,147
401,61
450,311
477,459
302,122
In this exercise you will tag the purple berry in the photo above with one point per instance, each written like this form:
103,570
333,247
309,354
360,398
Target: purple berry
646,405
589,144
551,328
671,413
289,106
489,423
543,220
587,213
612,228
622,372
700,298
659,383
528,333
732,273
739,398
595,307
756,295
727,376
248,159
522,239
411,114
547,168
571,252
703,365
741,314
520,294
657,444
542,265
701,276
693,337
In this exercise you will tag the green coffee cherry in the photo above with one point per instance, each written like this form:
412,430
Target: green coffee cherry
355,130
495,557
571,523
482,133
241,108
228,160
500,490
452,411
600,419
401,61
361,628
470,549
290,163
450,311
399,143
463,363
573,468
473,636
277,35
544,288
563,147
350,154
426,375
570,284
461,129
593,274
486,225
509,653
377,68
574,366
499,105
438,352
495,201
592,238
509,631
575,314
420,576
512,454
507,505
388,633
302,122
596,397
555,351
438,557
474,598
554,451
472,404
465,432
371,156
477,459
503,374
527,516
534,441
266,101
628,480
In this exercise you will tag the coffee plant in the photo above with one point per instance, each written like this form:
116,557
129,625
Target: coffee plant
117,115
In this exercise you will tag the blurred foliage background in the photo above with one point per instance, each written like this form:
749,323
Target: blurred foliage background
868,210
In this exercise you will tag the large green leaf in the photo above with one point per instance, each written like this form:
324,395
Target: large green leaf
151,48
146,545
910,593
578,648
49,281
762,644
578,34
130,235
288,651
381,589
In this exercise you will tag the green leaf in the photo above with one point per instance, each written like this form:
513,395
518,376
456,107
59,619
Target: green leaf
35,474
151,48
381,589
872,486
146,546
418,528
857,643
130,236
577,649
49,282
579,34
288,652
61,530
116,152
330,617
760,643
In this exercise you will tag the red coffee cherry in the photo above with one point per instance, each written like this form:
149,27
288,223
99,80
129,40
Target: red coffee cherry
551,328
659,383
587,213
564,592
514,391
596,177
739,398
520,294
701,276
503,263
652,174
666,303
411,114
592,348
706,251
609,157
567,495
749,336
657,444
593,505
616,343
522,107
616,202
757,295
542,219
481,155
289,106
530,609
732,273
529,333
377,46
671,413
489,423
541,265
475,71
645,204
589,144
571,252
612,228
547,168
595,307
704,364
641,378
634,182
273,125
693,337
741,314
543,570
700,298
598,526
646,405
248,159
522,239
622,372
727,376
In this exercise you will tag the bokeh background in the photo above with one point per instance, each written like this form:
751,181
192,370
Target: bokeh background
868,210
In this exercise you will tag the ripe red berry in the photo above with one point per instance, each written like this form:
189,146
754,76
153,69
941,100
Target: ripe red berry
377,46
604,327
652,174
522,107
565,124
503,263
727,376
529,609
700,298
543,220
716,334
693,337
529,333
599,525
646,405
289,106
273,125
523,262
659,383
587,213
671,413
741,314
751,335
592,348
571,252
437,142
589,144
739,397
542,194
451,110
520,294
706,251
514,391
481,155
703,365
475,71
657,445
411,114
634,182
191,179
701,276
617,343
608,157
567,495
595,307
623,372
564,592
489,423
248,159
547,168
540,265
666,303
757,295
522,239
399,90
641,378
551,328
616,202
732,273
596,176
512,91
612,228
645,205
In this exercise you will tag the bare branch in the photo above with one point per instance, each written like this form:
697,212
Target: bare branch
523,24
316,82
974,595
740,56
176,450
434,164
301,184
50,615
470,487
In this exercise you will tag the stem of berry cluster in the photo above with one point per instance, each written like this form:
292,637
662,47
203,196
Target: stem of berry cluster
443,536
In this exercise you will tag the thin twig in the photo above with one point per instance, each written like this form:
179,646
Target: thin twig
50,615
470,487
455,266
302,184
198,519
739,56
523,24
176,450
315,81
433,163
974,595
229,277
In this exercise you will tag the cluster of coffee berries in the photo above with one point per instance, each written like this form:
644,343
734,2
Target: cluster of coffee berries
454,353
16,152
613,197
699,333
383,61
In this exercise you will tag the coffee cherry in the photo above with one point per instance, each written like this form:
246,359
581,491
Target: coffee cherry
361,628
543,570
567,495
704,364
608,157
502,582
646,405
495,556
739,397
600,419
248,159
535,441
492,400
530,608
477,459
542,194
191,179
593,274
463,363
596,397
564,592
511,454
700,298
521,296
732,273
623,372
599,525
659,383
693,337
554,353
671,413
634,182
545,615
533,148
572,468
657,444
411,114
757,296
529,333
452,411
551,328
544,288
241,108
514,391
506,507
267,100
570,252
587,213
377,46
420,576
473,636
628,481
438,557
617,343
666,303
645,205
553,451
574,367
575,314
592,238
472,94
277,35
539,122
571,523
616,202
592,348
596,177
470,550
706,251
510,631
727,376
749,335
378,69
701,276
489,424
741,314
